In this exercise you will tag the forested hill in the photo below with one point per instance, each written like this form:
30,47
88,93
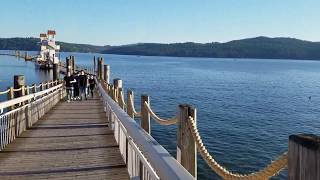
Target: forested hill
33,44
259,47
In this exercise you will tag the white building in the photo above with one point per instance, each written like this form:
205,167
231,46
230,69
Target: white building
49,51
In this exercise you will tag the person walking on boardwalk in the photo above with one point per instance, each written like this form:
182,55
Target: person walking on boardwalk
69,80
76,87
83,85
92,85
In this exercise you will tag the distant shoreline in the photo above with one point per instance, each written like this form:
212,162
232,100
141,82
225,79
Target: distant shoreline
252,48
177,56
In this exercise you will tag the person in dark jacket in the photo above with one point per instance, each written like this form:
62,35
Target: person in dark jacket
83,85
69,80
76,87
92,85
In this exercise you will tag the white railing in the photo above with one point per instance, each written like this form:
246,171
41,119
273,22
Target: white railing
144,156
14,122
29,97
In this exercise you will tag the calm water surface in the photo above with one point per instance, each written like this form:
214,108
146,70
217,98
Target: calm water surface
10,66
246,108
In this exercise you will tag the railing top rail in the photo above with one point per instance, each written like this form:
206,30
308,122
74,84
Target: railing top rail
166,166
12,102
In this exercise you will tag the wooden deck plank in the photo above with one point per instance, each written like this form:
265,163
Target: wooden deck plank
72,141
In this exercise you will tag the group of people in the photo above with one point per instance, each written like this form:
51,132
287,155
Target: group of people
78,86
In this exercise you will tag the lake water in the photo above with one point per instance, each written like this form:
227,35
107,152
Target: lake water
246,108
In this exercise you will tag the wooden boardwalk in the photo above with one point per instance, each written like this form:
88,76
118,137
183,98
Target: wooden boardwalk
72,141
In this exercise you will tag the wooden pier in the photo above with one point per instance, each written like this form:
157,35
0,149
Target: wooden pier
72,141
19,54
44,137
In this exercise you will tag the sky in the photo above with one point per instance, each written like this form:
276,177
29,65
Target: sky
118,22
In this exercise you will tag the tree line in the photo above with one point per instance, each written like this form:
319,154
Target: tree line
259,47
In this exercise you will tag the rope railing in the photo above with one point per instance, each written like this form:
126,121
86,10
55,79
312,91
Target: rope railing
122,99
16,90
272,169
137,114
5,92
159,120
31,87
189,140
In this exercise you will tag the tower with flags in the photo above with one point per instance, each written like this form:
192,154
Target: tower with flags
49,50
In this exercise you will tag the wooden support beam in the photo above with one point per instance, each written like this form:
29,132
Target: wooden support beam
47,85
304,157
27,111
73,64
41,86
120,102
11,96
117,84
106,73
145,116
94,64
18,82
34,88
100,65
186,147
129,107
25,55
68,65
56,72
98,68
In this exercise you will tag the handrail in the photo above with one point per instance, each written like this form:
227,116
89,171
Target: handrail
144,160
166,166
166,122
23,117
26,97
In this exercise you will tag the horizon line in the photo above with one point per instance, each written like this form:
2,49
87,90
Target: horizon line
221,42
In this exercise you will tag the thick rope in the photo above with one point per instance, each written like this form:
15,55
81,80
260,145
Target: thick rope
138,114
165,122
31,87
272,169
122,99
39,86
4,92
15,90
